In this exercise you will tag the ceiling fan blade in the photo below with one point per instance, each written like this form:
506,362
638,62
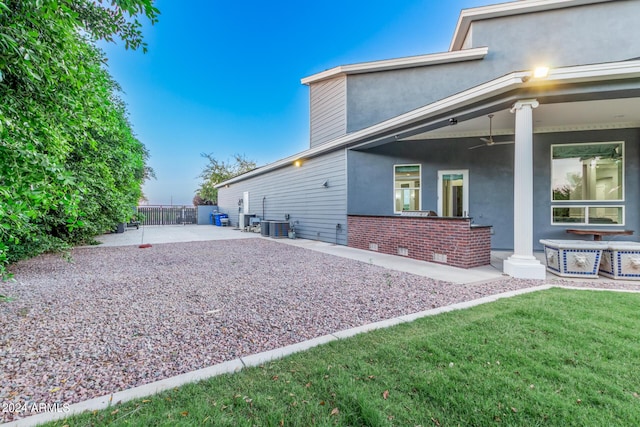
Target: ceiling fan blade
488,142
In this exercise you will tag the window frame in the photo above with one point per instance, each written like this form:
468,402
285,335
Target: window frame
586,215
623,180
588,204
411,188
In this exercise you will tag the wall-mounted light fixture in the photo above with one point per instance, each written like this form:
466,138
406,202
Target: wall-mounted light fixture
453,121
226,186
297,163
540,72
325,184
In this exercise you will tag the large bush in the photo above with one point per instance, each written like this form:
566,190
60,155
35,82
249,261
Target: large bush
70,164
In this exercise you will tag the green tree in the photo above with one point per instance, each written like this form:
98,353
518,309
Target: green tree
70,165
217,171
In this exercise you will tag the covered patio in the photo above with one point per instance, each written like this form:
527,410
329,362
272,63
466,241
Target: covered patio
530,111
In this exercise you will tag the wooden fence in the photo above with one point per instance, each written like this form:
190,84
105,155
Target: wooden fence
168,215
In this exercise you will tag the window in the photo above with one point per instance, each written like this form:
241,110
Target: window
406,183
589,172
587,215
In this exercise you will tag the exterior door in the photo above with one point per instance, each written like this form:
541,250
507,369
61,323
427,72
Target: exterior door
453,193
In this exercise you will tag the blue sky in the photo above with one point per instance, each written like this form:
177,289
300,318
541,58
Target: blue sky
224,77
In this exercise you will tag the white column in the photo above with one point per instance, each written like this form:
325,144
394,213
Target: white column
522,264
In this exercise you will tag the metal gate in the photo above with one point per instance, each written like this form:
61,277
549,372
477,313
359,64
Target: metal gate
168,215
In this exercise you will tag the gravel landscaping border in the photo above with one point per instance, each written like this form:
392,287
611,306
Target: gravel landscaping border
119,317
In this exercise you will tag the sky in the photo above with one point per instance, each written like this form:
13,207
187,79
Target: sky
223,77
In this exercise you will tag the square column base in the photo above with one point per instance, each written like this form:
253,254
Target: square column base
521,267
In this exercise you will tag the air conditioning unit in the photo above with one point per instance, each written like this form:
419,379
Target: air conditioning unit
244,220
279,229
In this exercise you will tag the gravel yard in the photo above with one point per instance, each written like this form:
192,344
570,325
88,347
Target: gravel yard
119,317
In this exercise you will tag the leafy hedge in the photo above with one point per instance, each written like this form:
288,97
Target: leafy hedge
70,164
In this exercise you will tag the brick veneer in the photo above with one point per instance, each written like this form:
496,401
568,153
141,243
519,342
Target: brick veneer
423,237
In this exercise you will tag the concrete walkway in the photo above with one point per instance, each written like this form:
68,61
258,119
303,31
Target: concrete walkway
193,233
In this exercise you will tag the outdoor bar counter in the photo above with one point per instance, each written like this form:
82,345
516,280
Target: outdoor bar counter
453,241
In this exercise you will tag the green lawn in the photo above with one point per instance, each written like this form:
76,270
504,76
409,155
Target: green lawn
557,358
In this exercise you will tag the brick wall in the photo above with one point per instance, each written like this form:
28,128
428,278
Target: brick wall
424,238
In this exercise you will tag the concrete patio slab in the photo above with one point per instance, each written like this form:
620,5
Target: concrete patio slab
155,234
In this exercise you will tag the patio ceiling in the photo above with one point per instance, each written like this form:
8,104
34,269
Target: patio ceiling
559,117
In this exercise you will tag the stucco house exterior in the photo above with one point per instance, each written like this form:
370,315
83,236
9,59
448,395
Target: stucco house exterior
527,126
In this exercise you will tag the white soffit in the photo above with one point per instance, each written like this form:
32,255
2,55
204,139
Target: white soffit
467,16
399,63
561,117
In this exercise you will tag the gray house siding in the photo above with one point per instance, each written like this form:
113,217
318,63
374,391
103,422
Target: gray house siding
555,38
490,188
327,110
315,210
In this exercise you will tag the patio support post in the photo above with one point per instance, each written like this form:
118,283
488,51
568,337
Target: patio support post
522,264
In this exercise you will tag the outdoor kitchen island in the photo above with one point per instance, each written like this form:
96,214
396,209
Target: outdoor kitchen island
453,241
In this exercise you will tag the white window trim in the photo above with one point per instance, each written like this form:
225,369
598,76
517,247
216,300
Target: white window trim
394,184
586,215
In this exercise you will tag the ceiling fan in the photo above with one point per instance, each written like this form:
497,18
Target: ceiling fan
488,142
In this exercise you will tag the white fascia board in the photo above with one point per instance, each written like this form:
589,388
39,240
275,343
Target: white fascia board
467,16
568,75
399,63
593,73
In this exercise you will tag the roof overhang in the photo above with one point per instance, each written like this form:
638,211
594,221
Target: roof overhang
474,101
467,16
399,63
